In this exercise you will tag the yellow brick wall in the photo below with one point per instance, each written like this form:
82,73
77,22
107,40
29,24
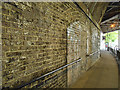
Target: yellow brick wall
0,46
35,41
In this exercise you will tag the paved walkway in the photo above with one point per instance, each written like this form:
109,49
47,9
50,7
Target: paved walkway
104,74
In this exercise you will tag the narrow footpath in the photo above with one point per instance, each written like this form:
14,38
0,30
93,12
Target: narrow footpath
104,74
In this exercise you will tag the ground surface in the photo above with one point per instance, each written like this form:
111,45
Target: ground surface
104,74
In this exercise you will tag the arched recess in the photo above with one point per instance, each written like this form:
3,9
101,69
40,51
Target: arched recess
76,49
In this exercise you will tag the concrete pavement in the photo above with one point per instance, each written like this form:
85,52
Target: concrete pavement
104,74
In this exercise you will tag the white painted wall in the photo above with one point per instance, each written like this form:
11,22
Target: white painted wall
102,42
119,38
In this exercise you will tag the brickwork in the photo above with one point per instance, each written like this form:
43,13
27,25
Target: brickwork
79,33
36,39
0,46
93,45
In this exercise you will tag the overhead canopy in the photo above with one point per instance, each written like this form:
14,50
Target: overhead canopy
111,18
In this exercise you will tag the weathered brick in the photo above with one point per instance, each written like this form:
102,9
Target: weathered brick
36,38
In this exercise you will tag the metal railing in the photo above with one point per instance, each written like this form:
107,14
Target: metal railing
19,87
93,53
49,73
115,52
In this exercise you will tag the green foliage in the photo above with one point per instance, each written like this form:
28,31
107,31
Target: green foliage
111,37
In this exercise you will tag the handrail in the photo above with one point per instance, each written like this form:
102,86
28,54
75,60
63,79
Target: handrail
93,53
54,71
49,73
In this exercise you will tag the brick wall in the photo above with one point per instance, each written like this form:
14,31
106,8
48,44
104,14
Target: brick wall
0,46
35,41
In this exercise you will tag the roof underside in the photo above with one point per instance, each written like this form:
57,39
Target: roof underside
111,16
